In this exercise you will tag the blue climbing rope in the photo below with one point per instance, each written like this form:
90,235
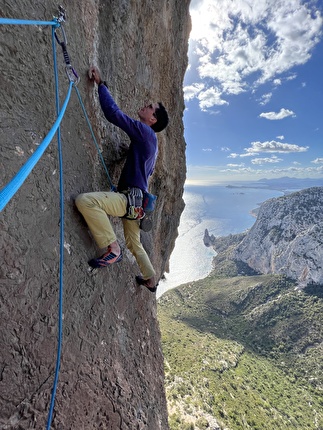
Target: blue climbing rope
10,21
94,139
61,253
13,186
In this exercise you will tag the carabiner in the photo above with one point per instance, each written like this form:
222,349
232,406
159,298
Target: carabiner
72,75
63,43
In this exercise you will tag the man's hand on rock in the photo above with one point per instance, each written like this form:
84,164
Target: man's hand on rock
94,74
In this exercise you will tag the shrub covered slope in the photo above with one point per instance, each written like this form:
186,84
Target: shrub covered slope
243,352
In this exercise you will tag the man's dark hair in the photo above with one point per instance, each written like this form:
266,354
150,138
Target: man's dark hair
162,118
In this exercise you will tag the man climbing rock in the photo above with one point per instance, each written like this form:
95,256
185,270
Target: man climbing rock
127,201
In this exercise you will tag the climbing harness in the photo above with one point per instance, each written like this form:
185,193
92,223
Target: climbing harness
139,203
135,210
12,187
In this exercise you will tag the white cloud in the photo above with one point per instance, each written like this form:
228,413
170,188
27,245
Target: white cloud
235,165
265,98
210,97
191,91
273,146
225,149
269,147
277,82
207,149
235,155
282,137
318,161
262,161
283,113
248,154
241,44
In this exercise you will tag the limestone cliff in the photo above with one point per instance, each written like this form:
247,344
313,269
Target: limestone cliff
111,374
287,237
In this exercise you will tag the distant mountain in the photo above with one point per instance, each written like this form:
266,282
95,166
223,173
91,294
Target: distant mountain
287,237
287,182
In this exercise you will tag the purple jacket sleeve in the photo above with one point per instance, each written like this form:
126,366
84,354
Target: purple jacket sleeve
114,114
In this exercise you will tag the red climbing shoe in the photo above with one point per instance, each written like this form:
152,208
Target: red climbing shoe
148,283
105,259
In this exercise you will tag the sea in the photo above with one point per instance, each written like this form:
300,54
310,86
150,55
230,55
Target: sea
223,210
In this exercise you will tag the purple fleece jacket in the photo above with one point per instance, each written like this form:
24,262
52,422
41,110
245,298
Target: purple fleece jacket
143,147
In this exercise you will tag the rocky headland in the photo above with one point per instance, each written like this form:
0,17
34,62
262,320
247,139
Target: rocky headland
286,239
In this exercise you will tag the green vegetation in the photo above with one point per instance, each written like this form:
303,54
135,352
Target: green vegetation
243,353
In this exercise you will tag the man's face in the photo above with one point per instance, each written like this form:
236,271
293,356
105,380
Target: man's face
147,113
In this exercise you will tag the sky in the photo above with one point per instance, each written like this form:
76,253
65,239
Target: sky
254,90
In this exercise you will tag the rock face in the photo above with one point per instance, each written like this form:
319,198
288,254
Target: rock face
207,239
287,237
111,374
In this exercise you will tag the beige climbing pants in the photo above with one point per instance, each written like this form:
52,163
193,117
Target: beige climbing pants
95,207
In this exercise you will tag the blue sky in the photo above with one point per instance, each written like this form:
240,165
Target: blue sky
254,90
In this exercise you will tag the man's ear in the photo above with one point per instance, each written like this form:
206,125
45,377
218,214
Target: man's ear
153,120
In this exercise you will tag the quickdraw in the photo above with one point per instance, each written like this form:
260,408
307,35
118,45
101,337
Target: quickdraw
70,71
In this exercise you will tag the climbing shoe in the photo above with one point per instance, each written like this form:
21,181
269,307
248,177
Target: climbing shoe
148,283
105,259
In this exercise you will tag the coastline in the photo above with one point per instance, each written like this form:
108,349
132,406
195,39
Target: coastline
219,210
222,213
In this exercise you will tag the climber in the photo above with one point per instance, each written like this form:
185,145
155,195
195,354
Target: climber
133,181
